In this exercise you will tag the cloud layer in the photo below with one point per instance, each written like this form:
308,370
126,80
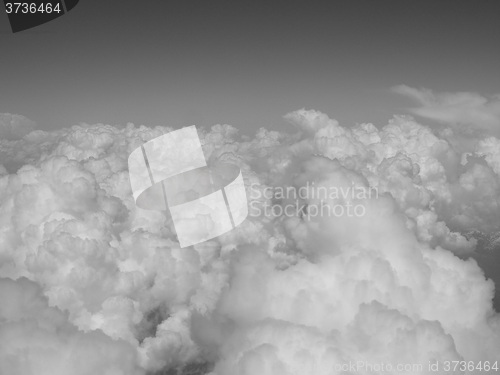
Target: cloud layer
97,285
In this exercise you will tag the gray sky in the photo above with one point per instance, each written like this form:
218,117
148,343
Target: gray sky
185,62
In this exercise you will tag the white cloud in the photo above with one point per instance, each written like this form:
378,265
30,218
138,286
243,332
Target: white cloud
36,339
460,108
14,126
278,295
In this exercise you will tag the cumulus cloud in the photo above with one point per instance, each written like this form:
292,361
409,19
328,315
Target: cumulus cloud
460,108
14,126
38,339
93,280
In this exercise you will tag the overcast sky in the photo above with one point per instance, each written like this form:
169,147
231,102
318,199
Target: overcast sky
184,62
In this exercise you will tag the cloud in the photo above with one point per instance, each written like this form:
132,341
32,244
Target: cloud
36,339
14,127
460,108
88,274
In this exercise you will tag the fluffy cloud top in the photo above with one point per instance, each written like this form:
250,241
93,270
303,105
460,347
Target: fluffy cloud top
94,284
14,126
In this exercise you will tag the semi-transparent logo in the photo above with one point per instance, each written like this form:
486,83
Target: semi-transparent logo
170,173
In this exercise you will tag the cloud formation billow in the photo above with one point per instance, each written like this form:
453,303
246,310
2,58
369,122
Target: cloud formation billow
98,285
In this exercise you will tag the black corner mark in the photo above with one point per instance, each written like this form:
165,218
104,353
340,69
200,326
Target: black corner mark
70,4
25,14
